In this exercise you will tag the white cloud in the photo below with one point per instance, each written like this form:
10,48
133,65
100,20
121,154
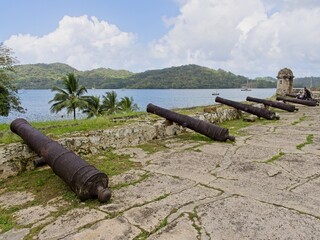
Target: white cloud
247,37
81,42
252,38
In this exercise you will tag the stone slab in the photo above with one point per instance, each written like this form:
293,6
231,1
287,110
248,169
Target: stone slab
70,223
245,218
111,229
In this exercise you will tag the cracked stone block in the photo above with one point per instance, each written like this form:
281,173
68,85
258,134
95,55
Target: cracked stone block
258,173
155,186
15,234
196,166
285,142
117,228
70,223
33,214
136,154
245,218
268,193
15,198
216,149
149,216
254,153
310,188
300,164
180,229
127,177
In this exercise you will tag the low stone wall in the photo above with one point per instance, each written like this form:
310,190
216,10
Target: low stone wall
18,157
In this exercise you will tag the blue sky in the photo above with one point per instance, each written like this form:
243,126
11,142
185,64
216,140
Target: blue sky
251,38
39,17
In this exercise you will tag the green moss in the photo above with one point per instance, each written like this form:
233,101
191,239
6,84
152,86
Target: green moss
111,163
141,179
301,119
6,221
234,126
194,137
274,158
309,140
153,147
194,217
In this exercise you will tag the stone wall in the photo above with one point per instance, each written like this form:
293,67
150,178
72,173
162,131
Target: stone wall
18,157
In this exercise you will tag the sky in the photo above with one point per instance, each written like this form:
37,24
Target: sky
252,38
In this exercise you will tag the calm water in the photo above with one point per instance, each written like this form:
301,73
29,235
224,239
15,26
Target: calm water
38,109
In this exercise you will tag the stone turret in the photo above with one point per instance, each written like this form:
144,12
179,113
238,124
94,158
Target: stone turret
285,82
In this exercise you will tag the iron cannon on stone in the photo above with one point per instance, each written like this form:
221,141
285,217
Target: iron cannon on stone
84,179
311,103
260,112
208,129
275,104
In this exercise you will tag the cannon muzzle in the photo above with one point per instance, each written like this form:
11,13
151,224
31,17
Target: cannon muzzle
208,129
84,179
260,112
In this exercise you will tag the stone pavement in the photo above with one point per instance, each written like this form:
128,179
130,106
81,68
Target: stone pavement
266,185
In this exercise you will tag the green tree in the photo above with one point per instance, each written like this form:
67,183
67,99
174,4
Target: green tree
110,103
72,98
9,100
94,108
127,105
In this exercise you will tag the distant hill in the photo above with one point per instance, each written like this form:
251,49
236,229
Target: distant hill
306,82
188,76
45,76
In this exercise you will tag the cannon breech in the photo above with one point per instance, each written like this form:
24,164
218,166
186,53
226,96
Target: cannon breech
84,179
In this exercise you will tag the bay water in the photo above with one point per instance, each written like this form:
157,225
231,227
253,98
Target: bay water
35,101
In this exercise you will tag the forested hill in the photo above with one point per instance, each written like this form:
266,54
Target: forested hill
40,76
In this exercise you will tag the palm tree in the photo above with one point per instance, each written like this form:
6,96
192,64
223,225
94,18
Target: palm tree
94,107
126,105
71,98
110,103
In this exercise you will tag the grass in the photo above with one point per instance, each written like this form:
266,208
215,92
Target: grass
309,140
153,147
55,129
301,119
194,137
274,158
111,163
6,221
235,126
45,185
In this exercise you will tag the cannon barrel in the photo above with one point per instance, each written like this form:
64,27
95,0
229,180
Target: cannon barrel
291,95
275,104
208,129
84,179
260,112
299,101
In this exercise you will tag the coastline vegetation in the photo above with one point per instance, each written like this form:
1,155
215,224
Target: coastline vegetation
72,97
45,76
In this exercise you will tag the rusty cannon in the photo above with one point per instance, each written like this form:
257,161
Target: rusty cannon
311,103
292,95
208,129
275,104
260,112
84,179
